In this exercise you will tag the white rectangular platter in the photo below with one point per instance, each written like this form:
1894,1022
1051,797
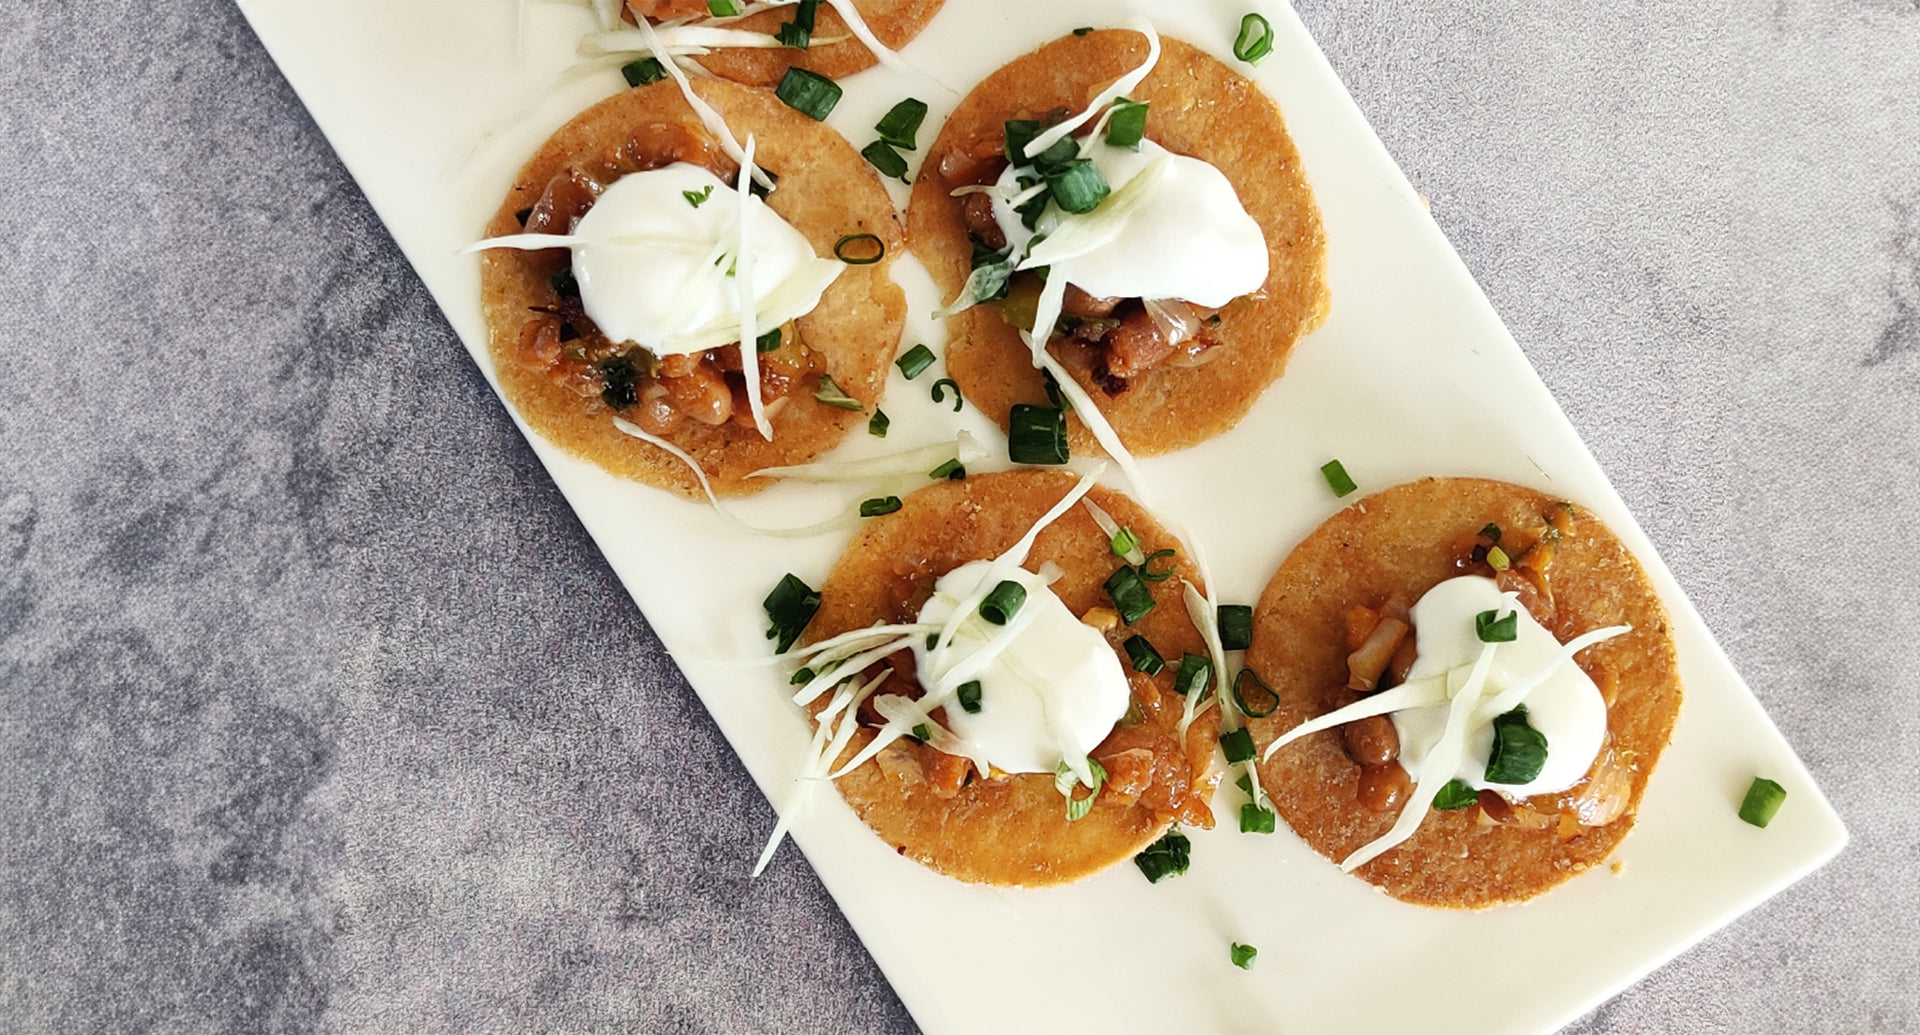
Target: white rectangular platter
433,104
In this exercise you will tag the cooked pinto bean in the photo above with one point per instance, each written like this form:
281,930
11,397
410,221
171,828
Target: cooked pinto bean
540,343
1371,741
977,211
978,162
1365,665
1128,774
945,773
1603,796
701,395
655,415
1383,788
1136,345
1078,303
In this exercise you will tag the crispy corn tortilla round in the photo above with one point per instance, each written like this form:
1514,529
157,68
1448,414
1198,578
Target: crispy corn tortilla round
1402,541
894,23
1012,831
826,191
1201,108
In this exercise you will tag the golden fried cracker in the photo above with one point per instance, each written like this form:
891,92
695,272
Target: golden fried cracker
1200,108
1012,831
1403,541
826,190
894,23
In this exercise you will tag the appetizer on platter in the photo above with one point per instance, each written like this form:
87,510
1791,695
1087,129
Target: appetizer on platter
1138,207
616,286
755,41
1474,683
1000,686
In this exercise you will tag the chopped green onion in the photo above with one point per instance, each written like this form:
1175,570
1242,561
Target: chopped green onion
940,393
921,733
1335,473
901,124
723,8
768,342
1077,808
1145,659
1036,435
1079,187
1157,576
878,423
803,14
1196,671
884,158
1490,532
1238,746
831,394
969,694
1245,783
1004,602
1261,702
1129,594
1519,751
1492,628
621,388
802,677
1124,541
857,256
643,71
985,284
809,93
916,360
1497,559
879,505
1455,795
1054,394
1083,30
1255,41
1236,626
951,471
792,35
789,607
933,640
1242,955
1168,857
696,198
1019,133
1255,819
1762,801
1128,124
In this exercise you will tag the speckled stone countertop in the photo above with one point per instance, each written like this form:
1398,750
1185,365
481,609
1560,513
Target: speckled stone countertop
319,711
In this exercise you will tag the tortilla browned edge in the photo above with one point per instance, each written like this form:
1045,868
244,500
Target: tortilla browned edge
1015,831
826,190
1403,540
1201,108
894,23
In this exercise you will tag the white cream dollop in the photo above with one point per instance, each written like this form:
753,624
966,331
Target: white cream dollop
653,267
1052,695
1565,707
1181,234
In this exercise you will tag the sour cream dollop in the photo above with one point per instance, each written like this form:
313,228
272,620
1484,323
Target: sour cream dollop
1052,695
1181,233
653,266
1566,707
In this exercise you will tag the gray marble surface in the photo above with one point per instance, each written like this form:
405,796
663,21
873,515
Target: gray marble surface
319,711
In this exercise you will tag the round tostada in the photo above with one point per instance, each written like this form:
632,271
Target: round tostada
638,315
1172,231
893,23
1508,679
1021,707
